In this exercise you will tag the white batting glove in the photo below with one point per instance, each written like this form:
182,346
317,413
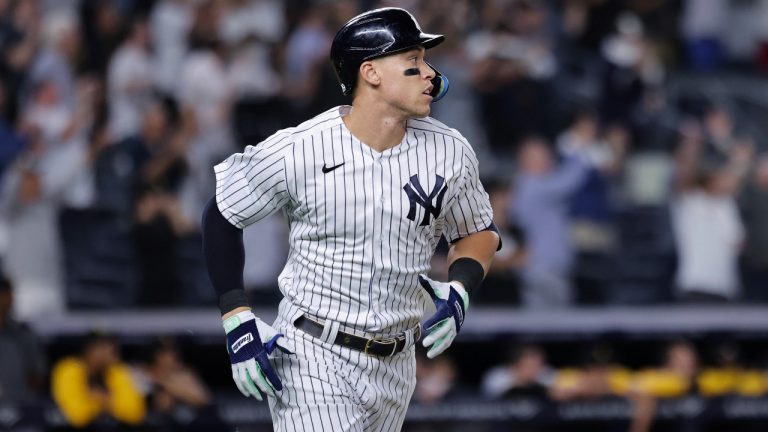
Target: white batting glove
249,343
451,302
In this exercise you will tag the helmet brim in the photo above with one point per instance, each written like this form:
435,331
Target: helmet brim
431,40
426,40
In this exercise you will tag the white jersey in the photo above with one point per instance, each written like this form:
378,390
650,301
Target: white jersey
363,224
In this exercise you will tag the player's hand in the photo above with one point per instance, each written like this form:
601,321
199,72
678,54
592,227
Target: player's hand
451,302
249,343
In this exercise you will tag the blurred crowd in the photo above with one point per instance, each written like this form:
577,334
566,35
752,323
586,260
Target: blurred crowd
610,184
622,143
96,388
93,384
596,373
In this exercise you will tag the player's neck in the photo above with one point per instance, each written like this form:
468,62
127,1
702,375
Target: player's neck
375,127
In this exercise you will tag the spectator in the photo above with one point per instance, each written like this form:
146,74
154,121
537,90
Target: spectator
719,131
306,50
525,373
154,157
598,376
96,386
703,26
55,61
103,29
707,228
130,82
512,64
729,376
22,364
502,283
754,207
207,94
38,183
436,380
263,20
170,23
252,72
169,385
674,378
591,209
11,142
631,68
159,223
461,110
20,32
541,196
48,115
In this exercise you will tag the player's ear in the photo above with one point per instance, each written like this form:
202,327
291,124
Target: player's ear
369,73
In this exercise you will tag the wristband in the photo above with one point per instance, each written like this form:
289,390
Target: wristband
468,271
232,299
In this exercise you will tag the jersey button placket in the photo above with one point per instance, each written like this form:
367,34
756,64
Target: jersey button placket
378,199
377,234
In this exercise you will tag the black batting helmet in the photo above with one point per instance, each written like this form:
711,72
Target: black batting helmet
378,33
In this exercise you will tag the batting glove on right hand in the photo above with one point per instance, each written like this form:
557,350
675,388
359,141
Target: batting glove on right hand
451,302
249,343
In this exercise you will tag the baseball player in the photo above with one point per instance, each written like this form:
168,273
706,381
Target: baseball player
368,190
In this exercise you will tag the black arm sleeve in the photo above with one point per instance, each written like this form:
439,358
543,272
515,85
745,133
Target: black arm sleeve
225,257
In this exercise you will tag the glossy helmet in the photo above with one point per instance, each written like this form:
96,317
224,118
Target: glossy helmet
378,33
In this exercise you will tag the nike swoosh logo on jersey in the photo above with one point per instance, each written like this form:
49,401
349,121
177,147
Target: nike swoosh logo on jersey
326,170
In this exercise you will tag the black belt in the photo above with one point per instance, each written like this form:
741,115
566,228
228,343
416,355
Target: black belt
378,347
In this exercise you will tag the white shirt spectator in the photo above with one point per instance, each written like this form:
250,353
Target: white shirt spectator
205,89
129,81
305,47
708,233
33,259
251,72
704,19
264,19
51,120
169,25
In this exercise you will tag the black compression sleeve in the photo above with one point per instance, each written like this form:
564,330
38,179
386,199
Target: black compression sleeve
225,257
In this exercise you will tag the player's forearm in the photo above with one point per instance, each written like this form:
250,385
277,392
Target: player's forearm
479,246
225,258
470,258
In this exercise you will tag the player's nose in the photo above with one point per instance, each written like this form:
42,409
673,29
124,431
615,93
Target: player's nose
429,71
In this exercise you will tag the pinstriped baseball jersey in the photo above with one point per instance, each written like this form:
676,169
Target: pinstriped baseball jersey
363,224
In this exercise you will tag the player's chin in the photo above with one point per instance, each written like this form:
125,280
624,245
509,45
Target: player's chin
422,109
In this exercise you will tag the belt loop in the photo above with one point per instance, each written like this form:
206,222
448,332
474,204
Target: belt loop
409,339
330,329
292,317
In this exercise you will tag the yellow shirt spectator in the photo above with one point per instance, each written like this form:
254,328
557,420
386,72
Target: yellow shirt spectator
723,381
96,383
661,383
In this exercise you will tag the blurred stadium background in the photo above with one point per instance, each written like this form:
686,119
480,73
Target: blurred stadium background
630,295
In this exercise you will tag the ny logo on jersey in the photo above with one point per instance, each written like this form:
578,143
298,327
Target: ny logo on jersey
416,195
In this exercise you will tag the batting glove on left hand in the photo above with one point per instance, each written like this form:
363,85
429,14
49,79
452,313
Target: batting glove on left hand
249,343
451,302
